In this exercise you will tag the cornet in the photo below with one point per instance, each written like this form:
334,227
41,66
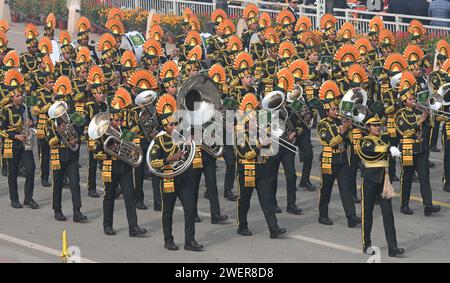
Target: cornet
58,112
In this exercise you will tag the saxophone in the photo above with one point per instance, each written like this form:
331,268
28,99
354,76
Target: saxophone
27,131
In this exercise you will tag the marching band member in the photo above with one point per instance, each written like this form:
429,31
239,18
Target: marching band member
250,15
163,154
286,22
216,44
253,169
332,132
303,25
64,161
96,80
153,56
386,41
373,151
66,66
140,81
285,84
83,27
16,118
117,172
107,47
38,76
417,33
409,123
45,100
117,29
28,60
375,27
258,49
81,89
330,45
270,63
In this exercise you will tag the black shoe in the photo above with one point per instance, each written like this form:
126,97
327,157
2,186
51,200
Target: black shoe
230,196
78,217
16,204
171,246
277,209
406,210
45,182
435,149
31,203
431,164
431,209
325,220
4,172
197,219
244,232
109,231
277,233
193,246
157,208
141,206
395,179
136,231
308,186
447,188
368,250
353,221
219,219
293,209
93,194
396,252
59,216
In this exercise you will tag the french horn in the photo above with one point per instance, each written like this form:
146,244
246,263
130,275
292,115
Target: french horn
58,112
113,144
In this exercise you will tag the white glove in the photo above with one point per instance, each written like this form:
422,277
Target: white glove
395,152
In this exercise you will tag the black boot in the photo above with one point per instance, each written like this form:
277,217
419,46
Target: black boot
193,246
219,219
277,209
395,179
59,216
430,209
31,203
157,208
136,231
244,232
395,252
16,204
109,231
406,210
293,209
308,186
197,219
230,196
325,220
170,245
277,233
45,182
78,217
93,194
353,221
140,205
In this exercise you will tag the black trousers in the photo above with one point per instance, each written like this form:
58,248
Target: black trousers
306,154
230,173
156,185
126,184
13,168
392,162
370,193
339,172
435,133
92,172
446,148
71,170
265,196
139,175
353,173
287,158
184,190
44,157
209,170
420,164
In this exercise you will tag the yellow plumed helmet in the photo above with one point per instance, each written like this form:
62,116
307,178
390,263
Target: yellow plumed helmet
62,86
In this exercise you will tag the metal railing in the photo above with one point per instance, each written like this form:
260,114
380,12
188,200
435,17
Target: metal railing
360,18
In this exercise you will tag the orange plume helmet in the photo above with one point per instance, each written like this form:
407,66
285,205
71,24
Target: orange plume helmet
363,45
13,79
413,55
446,67
96,76
169,72
235,44
416,29
285,80
386,38
11,59
116,13
156,32
106,42
50,22
83,55
156,19
226,28
115,27
166,104
83,25
31,32
327,22
395,63
195,55
194,23
122,99
187,13
285,18
152,47
375,25
249,102
303,23
271,36
347,55
357,74
217,74
64,38
243,63
128,60
250,11
193,38
407,82
4,25
143,80
62,86
264,21
218,16
328,93
299,69
45,46
286,50
49,67
347,31
309,39
442,48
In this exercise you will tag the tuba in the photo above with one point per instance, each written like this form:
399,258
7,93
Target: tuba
444,92
357,99
199,97
58,112
147,116
113,144
177,167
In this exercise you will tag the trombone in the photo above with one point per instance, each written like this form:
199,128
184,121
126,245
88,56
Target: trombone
435,102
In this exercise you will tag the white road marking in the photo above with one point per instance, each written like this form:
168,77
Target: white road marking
36,247
326,244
